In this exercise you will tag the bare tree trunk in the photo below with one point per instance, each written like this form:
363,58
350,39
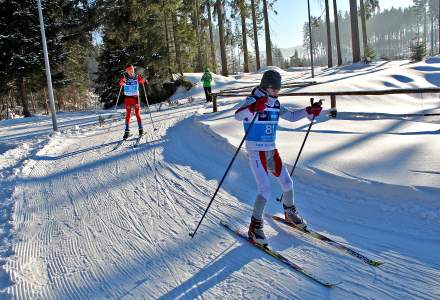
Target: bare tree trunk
269,60
355,32
432,34
167,39
438,27
338,40
211,39
364,27
33,103
244,36
425,25
221,29
177,46
22,95
257,48
329,36
46,106
196,16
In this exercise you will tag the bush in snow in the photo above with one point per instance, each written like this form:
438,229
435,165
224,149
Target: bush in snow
418,50
369,55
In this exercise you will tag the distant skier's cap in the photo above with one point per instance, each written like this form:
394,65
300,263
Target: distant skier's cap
129,68
271,79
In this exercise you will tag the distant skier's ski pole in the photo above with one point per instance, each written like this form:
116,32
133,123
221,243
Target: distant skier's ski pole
226,173
148,107
280,198
117,99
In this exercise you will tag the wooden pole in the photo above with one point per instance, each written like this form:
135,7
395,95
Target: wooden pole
333,110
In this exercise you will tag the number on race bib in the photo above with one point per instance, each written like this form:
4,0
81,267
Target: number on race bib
270,129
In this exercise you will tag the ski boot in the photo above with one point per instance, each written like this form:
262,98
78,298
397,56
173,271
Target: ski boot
256,232
292,216
126,134
141,131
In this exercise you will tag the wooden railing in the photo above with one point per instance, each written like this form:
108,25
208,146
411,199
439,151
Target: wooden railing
333,95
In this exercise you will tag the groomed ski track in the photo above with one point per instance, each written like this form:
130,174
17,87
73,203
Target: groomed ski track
88,223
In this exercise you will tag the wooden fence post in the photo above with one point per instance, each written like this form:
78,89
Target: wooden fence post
333,110
214,102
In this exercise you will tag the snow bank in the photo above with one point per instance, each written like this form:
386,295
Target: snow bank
367,142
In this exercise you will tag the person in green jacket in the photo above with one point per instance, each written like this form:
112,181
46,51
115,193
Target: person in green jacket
207,78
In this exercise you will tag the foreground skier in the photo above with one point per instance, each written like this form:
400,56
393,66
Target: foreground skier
131,92
263,154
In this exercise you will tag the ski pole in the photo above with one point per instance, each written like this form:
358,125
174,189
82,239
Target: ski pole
148,107
226,173
280,198
119,94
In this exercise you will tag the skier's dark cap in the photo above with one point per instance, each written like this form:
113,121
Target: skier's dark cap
271,79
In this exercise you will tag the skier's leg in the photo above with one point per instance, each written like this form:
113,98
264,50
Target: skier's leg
209,94
286,184
263,183
137,111
264,191
127,117
206,94
127,113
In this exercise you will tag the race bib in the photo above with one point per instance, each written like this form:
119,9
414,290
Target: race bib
131,87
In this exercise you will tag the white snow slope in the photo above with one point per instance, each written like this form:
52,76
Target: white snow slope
80,221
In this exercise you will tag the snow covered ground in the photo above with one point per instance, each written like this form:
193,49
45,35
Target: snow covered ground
81,221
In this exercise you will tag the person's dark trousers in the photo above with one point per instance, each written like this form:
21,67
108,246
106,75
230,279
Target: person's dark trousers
208,94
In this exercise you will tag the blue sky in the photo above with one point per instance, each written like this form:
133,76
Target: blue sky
286,27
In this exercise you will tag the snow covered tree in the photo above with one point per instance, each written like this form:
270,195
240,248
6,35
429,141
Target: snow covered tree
21,63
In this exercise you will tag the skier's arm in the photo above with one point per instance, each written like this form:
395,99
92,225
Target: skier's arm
243,112
293,115
250,107
122,81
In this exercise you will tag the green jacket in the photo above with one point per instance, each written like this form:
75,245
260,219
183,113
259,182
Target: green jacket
206,78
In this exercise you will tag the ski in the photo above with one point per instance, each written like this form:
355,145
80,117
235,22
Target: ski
277,255
137,142
120,143
325,239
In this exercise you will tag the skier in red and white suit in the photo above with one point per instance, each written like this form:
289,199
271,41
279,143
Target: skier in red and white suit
263,154
131,84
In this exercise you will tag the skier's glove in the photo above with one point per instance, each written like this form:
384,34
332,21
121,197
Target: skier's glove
259,105
122,81
315,109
